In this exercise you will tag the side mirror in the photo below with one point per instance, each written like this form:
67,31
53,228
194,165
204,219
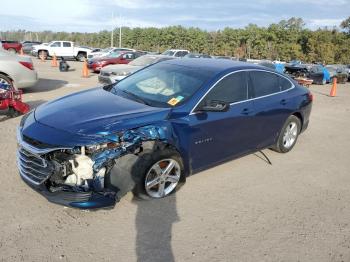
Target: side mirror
215,106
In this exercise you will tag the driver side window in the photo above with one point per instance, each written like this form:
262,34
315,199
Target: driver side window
56,44
233,88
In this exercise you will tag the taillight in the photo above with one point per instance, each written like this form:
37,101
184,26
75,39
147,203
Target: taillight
28,65
311,96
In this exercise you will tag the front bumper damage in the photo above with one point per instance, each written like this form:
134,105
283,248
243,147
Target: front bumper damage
40,170
69,197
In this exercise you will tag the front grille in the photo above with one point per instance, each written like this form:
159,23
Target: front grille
32,167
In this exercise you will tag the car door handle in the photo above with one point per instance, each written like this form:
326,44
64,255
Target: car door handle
283,102
246,111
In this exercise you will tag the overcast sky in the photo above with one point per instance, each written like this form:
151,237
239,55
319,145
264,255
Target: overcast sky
96,15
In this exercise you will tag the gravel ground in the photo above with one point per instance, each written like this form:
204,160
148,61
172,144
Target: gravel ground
297,209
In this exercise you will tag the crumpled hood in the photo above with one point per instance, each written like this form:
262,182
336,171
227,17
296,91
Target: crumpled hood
96,110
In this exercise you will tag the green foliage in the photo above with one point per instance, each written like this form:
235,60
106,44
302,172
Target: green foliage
285,40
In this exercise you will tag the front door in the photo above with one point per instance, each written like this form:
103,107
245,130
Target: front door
216,136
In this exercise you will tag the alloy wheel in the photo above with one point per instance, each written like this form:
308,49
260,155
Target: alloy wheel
290,135
162,178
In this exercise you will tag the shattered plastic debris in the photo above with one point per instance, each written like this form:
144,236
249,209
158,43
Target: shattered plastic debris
131,139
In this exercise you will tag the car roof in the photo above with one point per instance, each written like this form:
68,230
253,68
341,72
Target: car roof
215,65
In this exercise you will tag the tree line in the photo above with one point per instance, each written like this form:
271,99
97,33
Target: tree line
285,41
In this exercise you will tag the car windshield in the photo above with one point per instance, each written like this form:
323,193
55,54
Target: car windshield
168,52
143,61
114,54
162,85
316,69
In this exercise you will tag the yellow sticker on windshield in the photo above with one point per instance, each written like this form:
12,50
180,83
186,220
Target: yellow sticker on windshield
173,101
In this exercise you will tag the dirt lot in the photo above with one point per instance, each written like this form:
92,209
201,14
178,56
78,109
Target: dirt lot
298,209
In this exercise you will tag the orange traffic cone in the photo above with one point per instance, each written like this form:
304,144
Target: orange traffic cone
54,61
85,69
21,51
334,88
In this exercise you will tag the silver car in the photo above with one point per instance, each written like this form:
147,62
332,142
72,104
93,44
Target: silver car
17,70
114,73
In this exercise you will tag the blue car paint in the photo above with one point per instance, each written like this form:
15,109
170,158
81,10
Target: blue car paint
203,139
326,75
279,68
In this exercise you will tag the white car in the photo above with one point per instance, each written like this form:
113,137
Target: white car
109,50
176,52
64,49
17,70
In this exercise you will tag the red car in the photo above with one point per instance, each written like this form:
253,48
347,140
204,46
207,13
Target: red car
11,46
114,58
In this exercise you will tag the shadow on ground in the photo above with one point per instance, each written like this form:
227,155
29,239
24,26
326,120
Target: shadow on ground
45,84
154,220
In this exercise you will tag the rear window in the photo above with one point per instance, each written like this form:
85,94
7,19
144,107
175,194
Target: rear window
67,44
266,83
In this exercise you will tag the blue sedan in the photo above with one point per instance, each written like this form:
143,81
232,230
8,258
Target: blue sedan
154,128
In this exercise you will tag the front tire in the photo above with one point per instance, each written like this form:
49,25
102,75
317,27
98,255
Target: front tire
81,57
288,135
162,173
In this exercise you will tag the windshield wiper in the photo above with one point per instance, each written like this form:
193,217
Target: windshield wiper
135,97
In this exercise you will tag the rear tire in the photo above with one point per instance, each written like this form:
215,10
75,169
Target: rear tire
42,54
288,135
5,80
12,50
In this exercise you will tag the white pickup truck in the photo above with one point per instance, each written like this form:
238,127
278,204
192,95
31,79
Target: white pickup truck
64,49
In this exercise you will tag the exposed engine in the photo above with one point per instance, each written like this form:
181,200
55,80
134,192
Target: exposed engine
75,169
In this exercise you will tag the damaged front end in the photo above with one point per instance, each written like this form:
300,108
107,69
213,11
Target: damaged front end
75,176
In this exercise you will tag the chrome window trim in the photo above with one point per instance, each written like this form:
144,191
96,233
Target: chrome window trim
247,100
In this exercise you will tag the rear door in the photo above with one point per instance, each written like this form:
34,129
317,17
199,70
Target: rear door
215,136
272,103
67,49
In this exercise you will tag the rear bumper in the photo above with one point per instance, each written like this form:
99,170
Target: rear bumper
26,79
